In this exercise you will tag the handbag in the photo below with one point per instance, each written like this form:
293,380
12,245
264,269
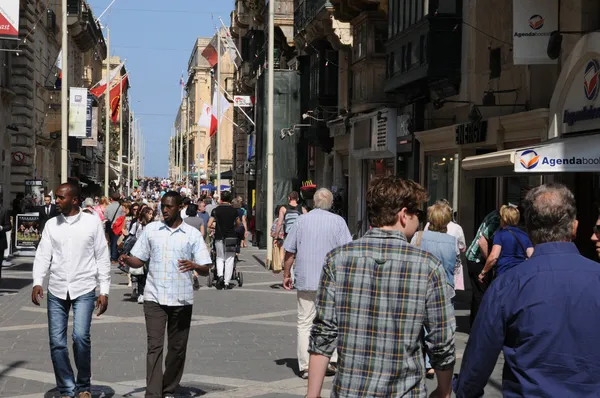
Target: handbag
520,244
108,224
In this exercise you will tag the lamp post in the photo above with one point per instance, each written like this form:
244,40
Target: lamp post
64,98
270,131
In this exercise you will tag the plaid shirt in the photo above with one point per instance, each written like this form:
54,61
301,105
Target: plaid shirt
376,295
487,229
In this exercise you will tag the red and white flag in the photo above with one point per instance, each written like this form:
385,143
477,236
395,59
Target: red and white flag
115,97
100,87
208,117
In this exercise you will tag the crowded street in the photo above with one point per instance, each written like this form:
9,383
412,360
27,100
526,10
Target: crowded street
242,342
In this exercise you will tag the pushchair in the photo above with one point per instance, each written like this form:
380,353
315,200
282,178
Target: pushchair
211,279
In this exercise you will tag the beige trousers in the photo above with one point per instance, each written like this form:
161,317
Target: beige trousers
306,314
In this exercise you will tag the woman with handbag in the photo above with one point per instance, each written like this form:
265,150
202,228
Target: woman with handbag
511,246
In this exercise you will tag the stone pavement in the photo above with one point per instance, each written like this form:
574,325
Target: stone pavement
242,342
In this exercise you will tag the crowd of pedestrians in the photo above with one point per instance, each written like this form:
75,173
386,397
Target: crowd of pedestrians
377,312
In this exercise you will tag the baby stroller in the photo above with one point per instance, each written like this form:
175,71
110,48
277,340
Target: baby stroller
211,279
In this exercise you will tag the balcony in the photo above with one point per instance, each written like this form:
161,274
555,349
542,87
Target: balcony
424,53
87,33
347,10
315,19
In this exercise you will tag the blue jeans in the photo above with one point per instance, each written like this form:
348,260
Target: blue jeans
114,248
58,318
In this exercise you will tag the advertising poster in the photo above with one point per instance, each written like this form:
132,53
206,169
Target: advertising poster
533,22
9,19
78,99
28,231
88,116
93,141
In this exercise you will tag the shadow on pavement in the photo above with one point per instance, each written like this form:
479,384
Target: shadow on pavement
290,363
97,392
15,364
277,286
260,261
187,390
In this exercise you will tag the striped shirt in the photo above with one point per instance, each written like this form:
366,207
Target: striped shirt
375,296
312,236
164,247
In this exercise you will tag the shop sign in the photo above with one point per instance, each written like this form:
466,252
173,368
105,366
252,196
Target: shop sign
471,133
582,106
9,20
243,101
533,22
570,155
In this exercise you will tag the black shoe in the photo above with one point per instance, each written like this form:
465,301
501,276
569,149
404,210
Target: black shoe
220,283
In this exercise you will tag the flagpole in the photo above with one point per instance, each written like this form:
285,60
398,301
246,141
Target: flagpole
270,132
218,138
234,47
120,133
187,141
230,98
107,128
64,98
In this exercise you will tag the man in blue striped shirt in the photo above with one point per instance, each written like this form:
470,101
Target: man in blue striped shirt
311,237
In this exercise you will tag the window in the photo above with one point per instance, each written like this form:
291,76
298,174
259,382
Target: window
408,56
392,23
360,41
407,7
403,63
422,49
441,172
401,8
380,39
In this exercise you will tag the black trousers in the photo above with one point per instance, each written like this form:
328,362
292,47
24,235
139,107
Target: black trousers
1,261
477,288
177,322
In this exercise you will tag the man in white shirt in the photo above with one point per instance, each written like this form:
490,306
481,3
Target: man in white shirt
73,250
174,250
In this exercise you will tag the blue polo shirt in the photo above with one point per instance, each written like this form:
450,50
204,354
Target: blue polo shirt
543,315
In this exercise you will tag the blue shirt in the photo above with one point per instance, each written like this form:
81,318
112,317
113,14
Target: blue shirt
312,236
512,253
543,315
204,216
164,247
444,247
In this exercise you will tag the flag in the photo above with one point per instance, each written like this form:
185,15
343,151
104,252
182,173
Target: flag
115,98
100,87
232,50
210,52
216,120
205,116
181,81
58,66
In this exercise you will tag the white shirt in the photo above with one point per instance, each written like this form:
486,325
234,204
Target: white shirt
163,247
75,252
183,213
455,230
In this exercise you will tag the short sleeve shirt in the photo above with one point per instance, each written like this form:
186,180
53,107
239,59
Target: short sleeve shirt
225,216
512,253
163,247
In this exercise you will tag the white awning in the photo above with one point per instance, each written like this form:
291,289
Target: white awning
504,158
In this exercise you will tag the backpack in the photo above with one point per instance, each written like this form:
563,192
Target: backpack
291,215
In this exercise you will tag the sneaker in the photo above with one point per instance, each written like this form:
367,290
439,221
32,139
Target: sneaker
140,299
196,283
228,286
304,374
220,283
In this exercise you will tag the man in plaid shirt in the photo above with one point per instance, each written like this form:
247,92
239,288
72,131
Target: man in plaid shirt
375,296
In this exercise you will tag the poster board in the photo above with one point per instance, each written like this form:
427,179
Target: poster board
27,227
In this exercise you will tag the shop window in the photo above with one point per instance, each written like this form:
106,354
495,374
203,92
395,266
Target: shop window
360,42
440,177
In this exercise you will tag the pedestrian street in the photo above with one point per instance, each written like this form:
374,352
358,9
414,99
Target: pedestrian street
242,342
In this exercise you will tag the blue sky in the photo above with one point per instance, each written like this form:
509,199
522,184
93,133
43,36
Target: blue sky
156,38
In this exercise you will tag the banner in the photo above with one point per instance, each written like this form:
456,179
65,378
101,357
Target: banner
580,155
243,101
93,141
88,116
9,19
533,22
78,112
28,230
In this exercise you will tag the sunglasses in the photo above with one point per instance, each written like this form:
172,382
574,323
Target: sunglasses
597,229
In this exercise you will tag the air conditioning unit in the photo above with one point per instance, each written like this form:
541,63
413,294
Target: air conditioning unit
373,135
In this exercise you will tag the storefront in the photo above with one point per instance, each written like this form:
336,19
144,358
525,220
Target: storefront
485,180
570,153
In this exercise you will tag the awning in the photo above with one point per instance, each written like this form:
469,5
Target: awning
578,154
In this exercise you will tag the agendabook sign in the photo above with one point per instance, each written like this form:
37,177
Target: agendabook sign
578,154
581,110
533,23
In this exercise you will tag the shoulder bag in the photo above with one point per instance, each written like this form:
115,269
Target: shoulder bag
108,224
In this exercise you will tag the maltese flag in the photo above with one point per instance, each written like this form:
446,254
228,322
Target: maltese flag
208,118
